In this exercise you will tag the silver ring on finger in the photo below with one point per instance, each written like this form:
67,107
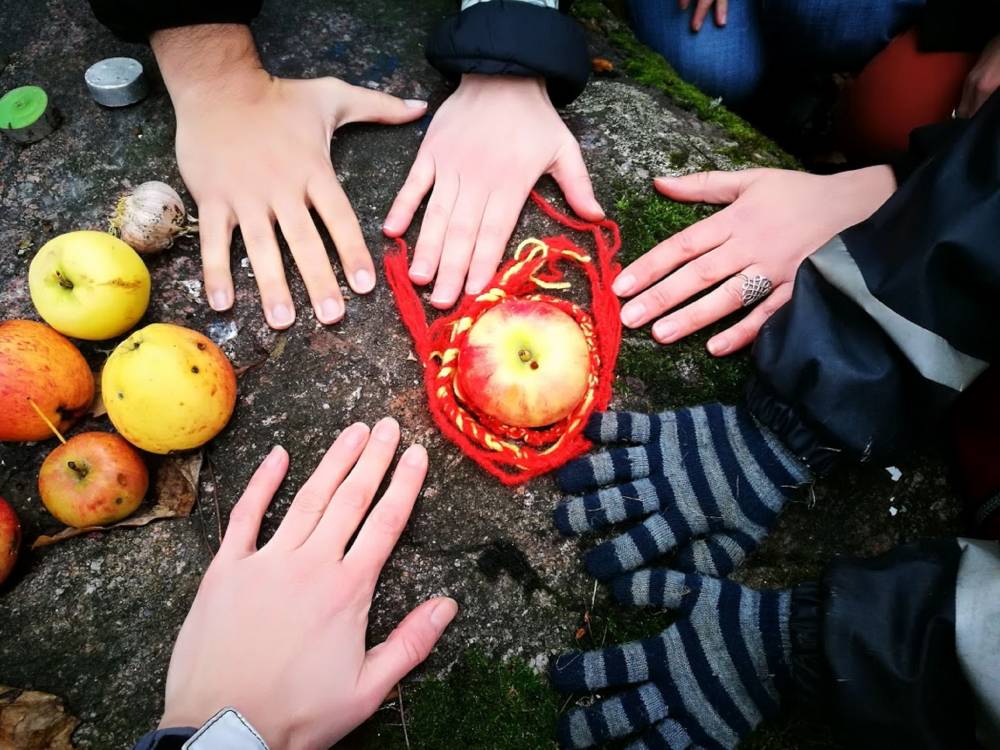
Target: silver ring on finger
754,289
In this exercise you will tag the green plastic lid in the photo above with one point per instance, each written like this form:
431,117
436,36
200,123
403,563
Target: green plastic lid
21,107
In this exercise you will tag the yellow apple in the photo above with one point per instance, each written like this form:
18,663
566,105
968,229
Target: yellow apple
89,285
168,388
525,363
93,479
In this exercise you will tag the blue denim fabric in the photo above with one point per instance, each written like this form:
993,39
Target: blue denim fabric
810,35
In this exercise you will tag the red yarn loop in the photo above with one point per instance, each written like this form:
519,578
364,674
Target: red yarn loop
517,454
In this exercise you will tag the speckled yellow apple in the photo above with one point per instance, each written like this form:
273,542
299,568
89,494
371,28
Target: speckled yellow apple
89,285
168,388
525,363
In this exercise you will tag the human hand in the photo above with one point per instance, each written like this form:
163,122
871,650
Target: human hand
701,9
254,150
708,481
279,633
705,681
982,80
484,151
775,220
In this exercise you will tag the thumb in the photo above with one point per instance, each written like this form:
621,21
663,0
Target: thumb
574,180
407,646
365,105
705,187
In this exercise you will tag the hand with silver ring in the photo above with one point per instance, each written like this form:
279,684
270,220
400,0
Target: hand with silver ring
748,251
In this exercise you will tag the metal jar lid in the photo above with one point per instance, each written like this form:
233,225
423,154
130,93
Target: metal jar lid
117,82
25,115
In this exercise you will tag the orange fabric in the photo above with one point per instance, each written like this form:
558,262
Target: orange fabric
901,89
516,454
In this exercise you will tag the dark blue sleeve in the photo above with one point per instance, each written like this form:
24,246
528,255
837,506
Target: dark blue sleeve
135,20
511,37
165,739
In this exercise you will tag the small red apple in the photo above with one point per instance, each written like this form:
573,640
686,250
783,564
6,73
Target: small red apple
525,363
10,539
94,479
39,365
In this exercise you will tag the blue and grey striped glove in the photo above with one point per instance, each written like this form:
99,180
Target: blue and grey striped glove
704,682
708,480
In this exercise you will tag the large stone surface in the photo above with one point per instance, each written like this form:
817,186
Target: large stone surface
93,619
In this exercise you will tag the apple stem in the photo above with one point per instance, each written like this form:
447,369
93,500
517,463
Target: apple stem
81,471
46,420
63,281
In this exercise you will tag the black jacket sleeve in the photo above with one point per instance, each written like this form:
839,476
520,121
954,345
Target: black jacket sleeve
514,37
135,20
891,320
876,647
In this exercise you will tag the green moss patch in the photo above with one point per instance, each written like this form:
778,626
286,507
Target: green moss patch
649,68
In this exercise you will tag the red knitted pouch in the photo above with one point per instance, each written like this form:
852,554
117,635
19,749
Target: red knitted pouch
516,454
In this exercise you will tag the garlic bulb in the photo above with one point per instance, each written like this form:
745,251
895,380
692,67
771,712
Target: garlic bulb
150,217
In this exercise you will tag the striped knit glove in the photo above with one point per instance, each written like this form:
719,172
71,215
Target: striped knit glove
704,682
709,481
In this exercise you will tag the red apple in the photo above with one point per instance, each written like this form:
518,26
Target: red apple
39,365
10,539
525,363
94,479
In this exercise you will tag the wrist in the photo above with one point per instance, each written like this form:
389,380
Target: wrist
209,60
864,190
476,85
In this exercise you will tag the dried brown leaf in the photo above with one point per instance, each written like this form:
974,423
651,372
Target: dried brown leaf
602,65
30,720
97,407
174,495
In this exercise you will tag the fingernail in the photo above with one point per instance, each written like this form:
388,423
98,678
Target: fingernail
386,430
632,313
444,613
623,284
665,181
389,227
355,434
274,457
364,282
474,287
220,300
441,299
415,103
331,310
665,331
414,456
282,315
420,271
718,347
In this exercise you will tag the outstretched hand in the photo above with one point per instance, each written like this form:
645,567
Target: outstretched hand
254,150
775,219
279,632
484,151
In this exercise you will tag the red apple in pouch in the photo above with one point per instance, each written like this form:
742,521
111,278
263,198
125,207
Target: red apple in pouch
41,366
96,478
10,539
525,363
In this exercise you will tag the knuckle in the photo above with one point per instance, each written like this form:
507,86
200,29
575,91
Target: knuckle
705,270
659,297
436,212
390,521
685,244
351,497
310,502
